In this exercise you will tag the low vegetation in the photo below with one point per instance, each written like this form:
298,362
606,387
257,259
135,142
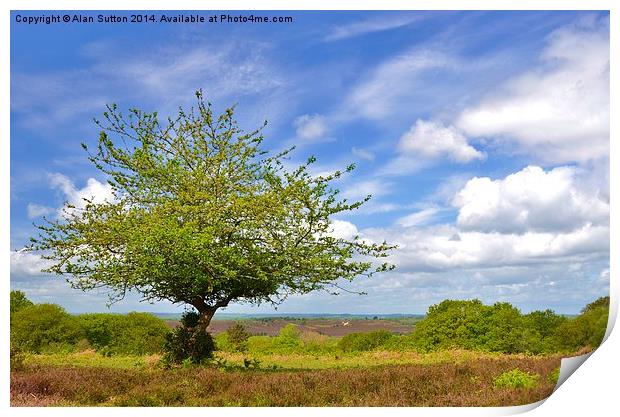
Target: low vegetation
465,383
516,379
472,354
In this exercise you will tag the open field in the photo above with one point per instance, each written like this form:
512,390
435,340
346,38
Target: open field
454,378
328,327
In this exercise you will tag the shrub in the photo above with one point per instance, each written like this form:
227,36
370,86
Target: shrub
516,379
554,376
260,344
364,341
453,324
316,343
129,334
17,359
497,328
288,338
586,330
401,343
237,337
188,343
44,327
19,301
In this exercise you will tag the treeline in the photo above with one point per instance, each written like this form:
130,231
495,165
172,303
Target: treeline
502,328
47,328
451,324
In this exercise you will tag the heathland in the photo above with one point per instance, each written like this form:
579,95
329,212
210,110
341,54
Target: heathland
462,353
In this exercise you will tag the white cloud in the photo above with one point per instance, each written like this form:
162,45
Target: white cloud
371,25
310,126
389,86
36,210
372,187
559,111
434,140
418,218
529,200
94,191
341,229
403,165
163,77
446,247
363,154
25,264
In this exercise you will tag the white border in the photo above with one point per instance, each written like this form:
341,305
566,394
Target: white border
590,391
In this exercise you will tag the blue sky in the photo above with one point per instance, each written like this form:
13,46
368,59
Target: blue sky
482,136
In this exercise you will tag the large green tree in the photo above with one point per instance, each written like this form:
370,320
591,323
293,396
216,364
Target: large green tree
202,215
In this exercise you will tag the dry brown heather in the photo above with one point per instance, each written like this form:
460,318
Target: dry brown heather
465,384
328,327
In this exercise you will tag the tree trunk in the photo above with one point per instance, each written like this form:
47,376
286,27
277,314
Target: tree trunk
205,318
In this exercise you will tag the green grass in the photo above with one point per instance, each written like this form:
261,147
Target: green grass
91,358
293,361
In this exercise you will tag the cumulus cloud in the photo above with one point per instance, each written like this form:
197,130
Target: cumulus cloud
27,264
531,200
341,229
94,191
310,126
434,140
445,247
559,111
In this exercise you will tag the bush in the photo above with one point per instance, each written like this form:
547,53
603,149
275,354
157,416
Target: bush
19,301
586,330
260,344
188,343
237,337
497,328
516,379
130,334
554,376
358,342
44,328
288,338
316,343
453,324
17,359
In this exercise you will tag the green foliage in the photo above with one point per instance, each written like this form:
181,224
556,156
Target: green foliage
602,302
587,329
516,379
17,359
133,333
554,376
44,328
289,335
237,337
19,301
359,342
189,343
502,328
497,328
452,324
202,215
261,344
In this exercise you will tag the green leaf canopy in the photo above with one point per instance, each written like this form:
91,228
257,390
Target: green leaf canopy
202,215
